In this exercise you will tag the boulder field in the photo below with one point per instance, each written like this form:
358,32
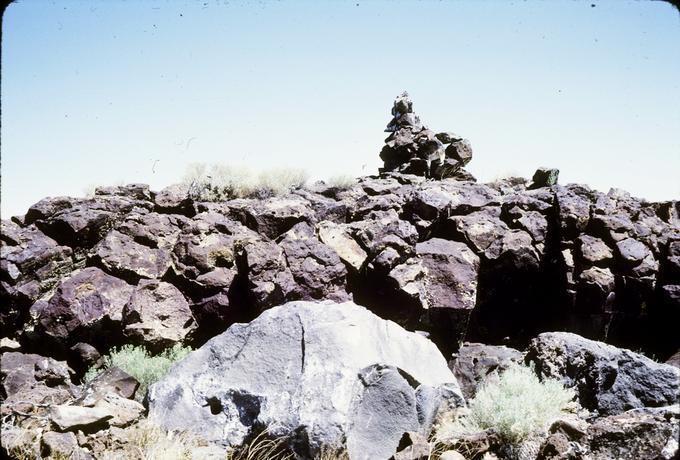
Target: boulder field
493,263
346,315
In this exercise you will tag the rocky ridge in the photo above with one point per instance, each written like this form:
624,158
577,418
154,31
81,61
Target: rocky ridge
422,244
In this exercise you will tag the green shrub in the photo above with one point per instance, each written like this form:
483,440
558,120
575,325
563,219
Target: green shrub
220,182
137,362
518,406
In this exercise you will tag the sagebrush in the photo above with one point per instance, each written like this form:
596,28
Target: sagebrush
518,406
221,182
140,364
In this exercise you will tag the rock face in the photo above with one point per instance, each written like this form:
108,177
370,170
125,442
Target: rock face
158,316
490,263
609,380
411,148
638,433
88,307
476,363
318,372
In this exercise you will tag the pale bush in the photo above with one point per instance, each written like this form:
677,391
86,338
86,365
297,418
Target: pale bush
518,406
341,181
220,182
137,362
278,181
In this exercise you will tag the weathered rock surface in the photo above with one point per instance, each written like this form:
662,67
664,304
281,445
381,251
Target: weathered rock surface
20,372
158,316
316,268
607,379
476,363
639,433
140,247
88,307
54,444
278,371
73,418
420,243
31,263
450,285
411,148
113,380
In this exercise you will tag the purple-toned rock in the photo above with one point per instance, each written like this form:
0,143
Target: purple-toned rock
451,281
269,280
121,255
158,316
88,306
316,268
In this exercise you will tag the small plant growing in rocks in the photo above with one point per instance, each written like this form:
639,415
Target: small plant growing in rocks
221,182
137,362
341,181
518,407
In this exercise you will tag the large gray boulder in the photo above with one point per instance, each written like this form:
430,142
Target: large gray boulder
607,379
320,373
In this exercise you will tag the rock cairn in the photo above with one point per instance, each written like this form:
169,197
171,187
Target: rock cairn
412,148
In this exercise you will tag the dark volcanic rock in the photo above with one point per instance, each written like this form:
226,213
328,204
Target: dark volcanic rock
134,191
20,372
269,280
158,316
120,255
544,177
174,200
593,251
204,260
316,268
87,307
411,148
274,216
476,363
645,434
607,379
140,246
112,380
31,263
451,285
31,382
82,222
550,257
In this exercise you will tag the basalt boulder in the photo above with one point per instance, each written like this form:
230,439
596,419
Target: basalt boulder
31,263
86,307
318,373
608,379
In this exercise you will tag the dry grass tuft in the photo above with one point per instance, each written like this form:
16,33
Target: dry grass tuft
221,183
262,447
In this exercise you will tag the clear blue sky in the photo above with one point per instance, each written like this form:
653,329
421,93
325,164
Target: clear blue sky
96,92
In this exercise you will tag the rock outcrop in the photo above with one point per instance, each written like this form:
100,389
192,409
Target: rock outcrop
608,380
323,374
422,244
493,263
412,148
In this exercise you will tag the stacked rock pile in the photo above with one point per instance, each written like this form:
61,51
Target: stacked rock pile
412,148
